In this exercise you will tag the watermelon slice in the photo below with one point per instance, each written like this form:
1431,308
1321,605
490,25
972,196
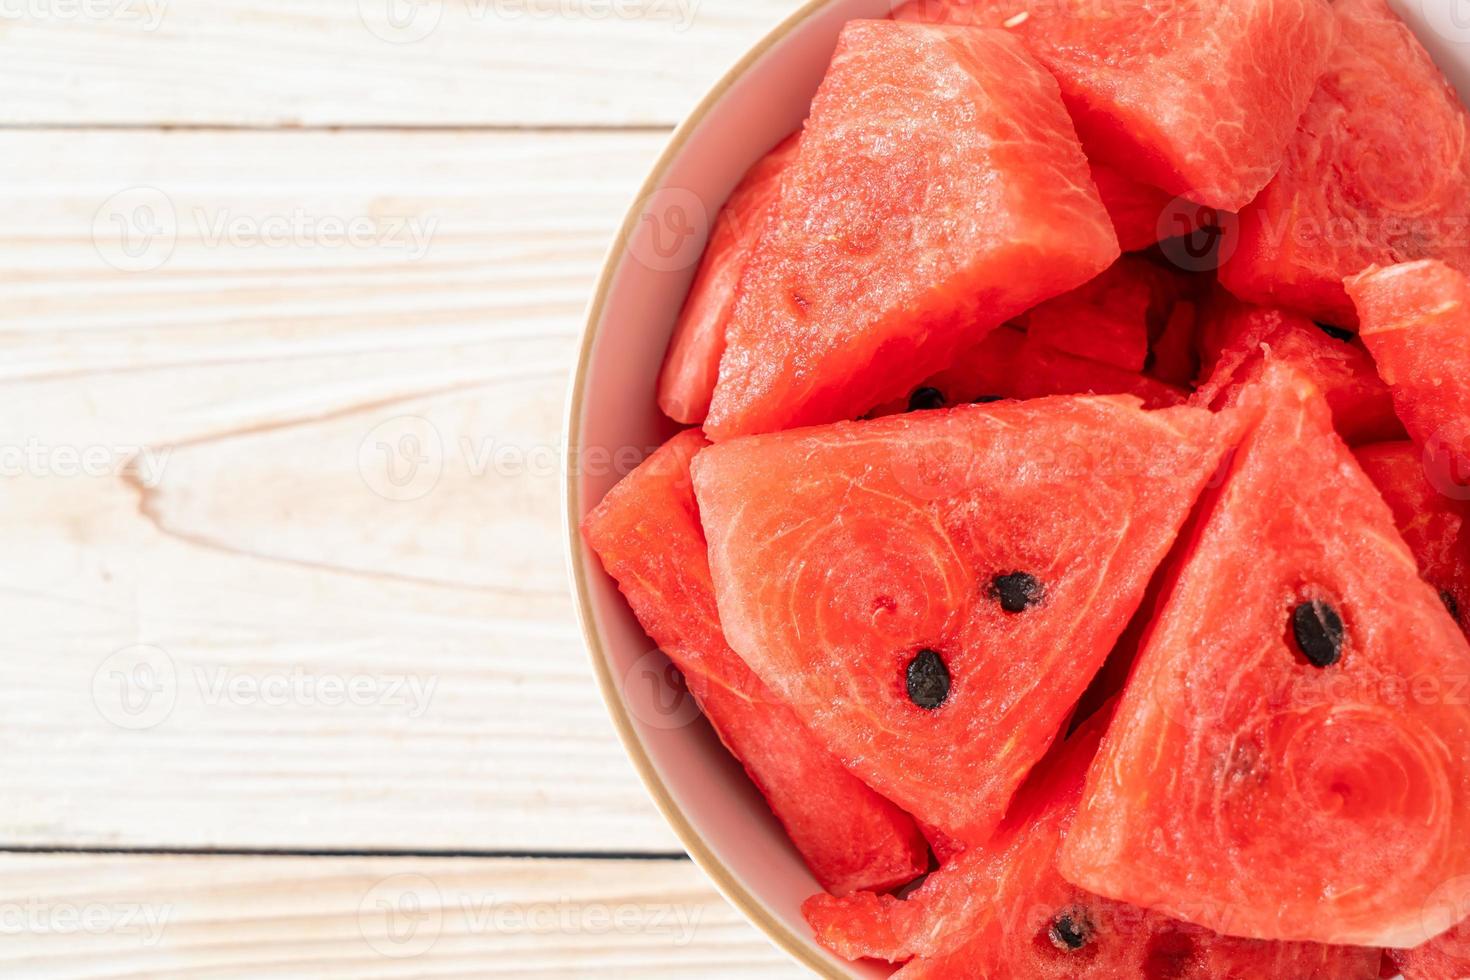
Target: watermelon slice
1379,173
1142,214
1110,319
938,190
932,592
1198,97
1446,958
1007,364
1416,323
1234,342
1435,527
1288,760
1002,911
647,533
1176,351
693,361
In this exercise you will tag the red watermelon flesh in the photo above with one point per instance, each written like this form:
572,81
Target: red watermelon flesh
938,190
647,533
1176,352
1378,173
1198,97
1142,214
992,552
693,362
1109,319
1233,343
1433,525
1416,323
994,912
1446,958
1244,788
1007,364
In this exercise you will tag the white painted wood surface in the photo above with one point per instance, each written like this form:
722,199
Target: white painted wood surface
286,316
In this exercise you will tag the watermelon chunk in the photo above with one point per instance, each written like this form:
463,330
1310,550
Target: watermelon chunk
872,573
1288,759
1007,364
1142,214
1416,323
938,190
1378,173
1002,911
1434,526
1176,352
1198,97
1235,340
692,364
1109,319
1446,958
647,533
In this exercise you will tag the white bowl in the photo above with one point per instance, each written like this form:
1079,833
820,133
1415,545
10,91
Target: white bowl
613,422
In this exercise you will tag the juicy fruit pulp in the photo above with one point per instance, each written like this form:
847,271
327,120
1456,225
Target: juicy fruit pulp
938,190
647,533
1446,958
1001,910
1008,364
1198,97
840,552
1142,214
1109,319
1436,527
1416,322
1236,338
1379,172
687,381
1242,787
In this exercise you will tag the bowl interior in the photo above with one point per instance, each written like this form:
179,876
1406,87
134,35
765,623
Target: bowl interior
613,423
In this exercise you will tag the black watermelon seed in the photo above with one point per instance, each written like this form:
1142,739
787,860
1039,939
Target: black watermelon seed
1336,333
1450,602
928,680
926,398
1017,591
1070,930
1318,631
988,399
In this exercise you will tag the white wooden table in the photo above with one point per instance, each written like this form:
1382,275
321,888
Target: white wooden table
288,296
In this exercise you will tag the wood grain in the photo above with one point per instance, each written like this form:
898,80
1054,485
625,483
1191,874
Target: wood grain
209,552
512,63
89,917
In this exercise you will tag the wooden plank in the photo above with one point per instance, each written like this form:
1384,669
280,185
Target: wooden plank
87,917
345,62
255,560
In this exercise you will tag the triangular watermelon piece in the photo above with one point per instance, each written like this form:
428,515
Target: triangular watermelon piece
647,533
1001,910
1288,760
1378,173
1436,527
1008,364
1416,323
938,190
692,364
932,592
1237,335
1198,97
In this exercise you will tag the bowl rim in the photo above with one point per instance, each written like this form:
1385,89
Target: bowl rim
694,843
